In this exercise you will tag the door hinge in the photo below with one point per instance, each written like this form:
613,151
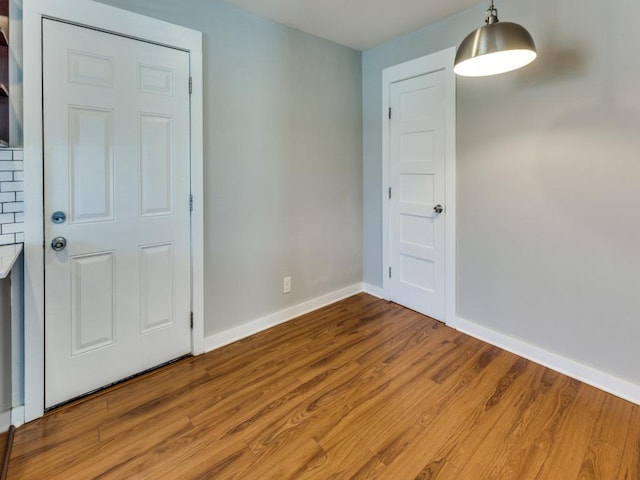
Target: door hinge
389,192
191,203
389,113
389,272
190,85
191,320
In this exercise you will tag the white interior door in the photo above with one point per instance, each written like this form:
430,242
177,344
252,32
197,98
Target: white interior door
116,163
417,157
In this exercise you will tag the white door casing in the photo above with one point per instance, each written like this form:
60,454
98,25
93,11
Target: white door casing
116,162
418,177
108,19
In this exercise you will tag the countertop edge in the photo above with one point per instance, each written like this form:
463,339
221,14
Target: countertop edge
8,256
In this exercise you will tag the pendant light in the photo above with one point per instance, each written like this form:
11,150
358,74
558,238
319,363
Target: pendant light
494,48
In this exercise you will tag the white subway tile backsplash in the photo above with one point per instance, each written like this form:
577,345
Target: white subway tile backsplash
10,166
7,239
13,228
11,196
13,207
11,186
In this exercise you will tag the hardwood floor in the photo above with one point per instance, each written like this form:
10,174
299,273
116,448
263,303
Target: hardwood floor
360,389
6,440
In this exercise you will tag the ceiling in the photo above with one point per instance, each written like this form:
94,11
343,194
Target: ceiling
359,24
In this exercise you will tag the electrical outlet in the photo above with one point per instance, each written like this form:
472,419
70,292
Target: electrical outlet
286,285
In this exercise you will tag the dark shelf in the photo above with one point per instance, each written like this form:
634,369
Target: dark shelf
4,28
4,73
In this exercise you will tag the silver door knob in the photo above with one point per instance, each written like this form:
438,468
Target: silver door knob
58,217
438,209
59,243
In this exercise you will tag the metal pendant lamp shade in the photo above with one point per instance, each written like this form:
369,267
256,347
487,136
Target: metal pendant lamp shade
494,48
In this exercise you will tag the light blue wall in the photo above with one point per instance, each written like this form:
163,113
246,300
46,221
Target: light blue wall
547,186
548,170
283,160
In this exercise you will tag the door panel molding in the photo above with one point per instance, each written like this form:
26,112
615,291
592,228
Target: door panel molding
121,22
439,61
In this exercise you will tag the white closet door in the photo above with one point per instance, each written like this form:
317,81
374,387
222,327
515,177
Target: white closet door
417,174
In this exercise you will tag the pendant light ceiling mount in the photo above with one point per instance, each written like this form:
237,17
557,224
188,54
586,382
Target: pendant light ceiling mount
496,47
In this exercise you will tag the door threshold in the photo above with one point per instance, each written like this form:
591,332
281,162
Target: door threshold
119,383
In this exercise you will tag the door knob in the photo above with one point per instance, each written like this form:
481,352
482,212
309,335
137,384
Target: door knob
59,243
438,209
58,217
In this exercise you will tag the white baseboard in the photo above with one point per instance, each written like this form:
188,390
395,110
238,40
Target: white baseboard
245,330
5,421
17,416
373,290
14,417
589,375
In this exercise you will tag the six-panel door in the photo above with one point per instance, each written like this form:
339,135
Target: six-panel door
116,134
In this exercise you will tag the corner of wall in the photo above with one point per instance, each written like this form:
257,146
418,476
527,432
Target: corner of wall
373,290
255,326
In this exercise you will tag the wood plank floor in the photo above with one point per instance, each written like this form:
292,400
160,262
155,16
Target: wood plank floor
359,389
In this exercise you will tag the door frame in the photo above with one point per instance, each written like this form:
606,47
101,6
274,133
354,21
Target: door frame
122,22
439,61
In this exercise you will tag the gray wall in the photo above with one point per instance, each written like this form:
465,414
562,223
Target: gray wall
283,160
5,347
548,180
